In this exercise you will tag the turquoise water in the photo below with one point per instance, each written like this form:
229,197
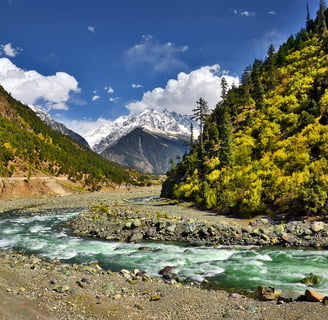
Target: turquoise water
229,267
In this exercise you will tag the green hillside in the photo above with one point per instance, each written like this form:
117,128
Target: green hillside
264,149
27,145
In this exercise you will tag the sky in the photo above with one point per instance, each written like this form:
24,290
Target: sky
86,62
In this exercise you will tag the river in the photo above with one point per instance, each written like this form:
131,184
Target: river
227,267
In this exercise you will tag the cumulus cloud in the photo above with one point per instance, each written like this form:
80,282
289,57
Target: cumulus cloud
109,90
159,56
92,29
31,87
136,85
9,50
95,97
272,13
181,94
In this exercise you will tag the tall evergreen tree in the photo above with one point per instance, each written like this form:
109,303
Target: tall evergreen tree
321,24
309,20
258,90
201,113
224,88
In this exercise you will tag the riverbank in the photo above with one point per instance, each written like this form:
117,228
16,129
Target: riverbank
31,288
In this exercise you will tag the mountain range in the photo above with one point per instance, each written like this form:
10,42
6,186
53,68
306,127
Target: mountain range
147,142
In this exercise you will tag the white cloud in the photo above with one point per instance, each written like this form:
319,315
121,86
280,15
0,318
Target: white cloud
111,99
272,13
9,50
159,56
248,13
92,29
31,87
136,85
83,126
109,90
181,94
244,13
95,97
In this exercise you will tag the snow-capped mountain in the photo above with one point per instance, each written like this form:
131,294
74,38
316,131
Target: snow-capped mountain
57,126
169,124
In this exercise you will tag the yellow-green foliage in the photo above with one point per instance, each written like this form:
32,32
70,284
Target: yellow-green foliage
279,134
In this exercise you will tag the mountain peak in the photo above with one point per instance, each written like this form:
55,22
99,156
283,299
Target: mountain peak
166,122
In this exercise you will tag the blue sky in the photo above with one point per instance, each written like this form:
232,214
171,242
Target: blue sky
88,61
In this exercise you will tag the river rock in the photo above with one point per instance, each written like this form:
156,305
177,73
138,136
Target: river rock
288,238
313,296
167,272
126,274
61,289
267,293
136,236
171,228
325,301
317,226
136,223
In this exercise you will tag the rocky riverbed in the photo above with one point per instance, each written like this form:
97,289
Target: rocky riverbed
134,222
32,288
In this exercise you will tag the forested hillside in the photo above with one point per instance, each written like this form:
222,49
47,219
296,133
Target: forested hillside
27,145
264,149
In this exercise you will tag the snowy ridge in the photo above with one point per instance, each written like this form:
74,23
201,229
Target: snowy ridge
165,122
57,126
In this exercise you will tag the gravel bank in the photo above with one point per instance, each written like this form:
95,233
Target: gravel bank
31,288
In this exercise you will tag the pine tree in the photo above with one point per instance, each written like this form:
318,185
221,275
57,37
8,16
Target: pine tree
309,20
224,88
258,90
321,24
201,113
225,136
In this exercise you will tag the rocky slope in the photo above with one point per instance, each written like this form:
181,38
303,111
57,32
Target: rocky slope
146,151
59,127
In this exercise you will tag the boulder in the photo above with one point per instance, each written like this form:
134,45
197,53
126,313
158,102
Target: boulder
136,223
136,236
313,296
317,226
267,293
167,272
288,238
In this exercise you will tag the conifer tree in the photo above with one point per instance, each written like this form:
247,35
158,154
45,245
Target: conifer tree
201,113
321,18
309,20
224,88
258,90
